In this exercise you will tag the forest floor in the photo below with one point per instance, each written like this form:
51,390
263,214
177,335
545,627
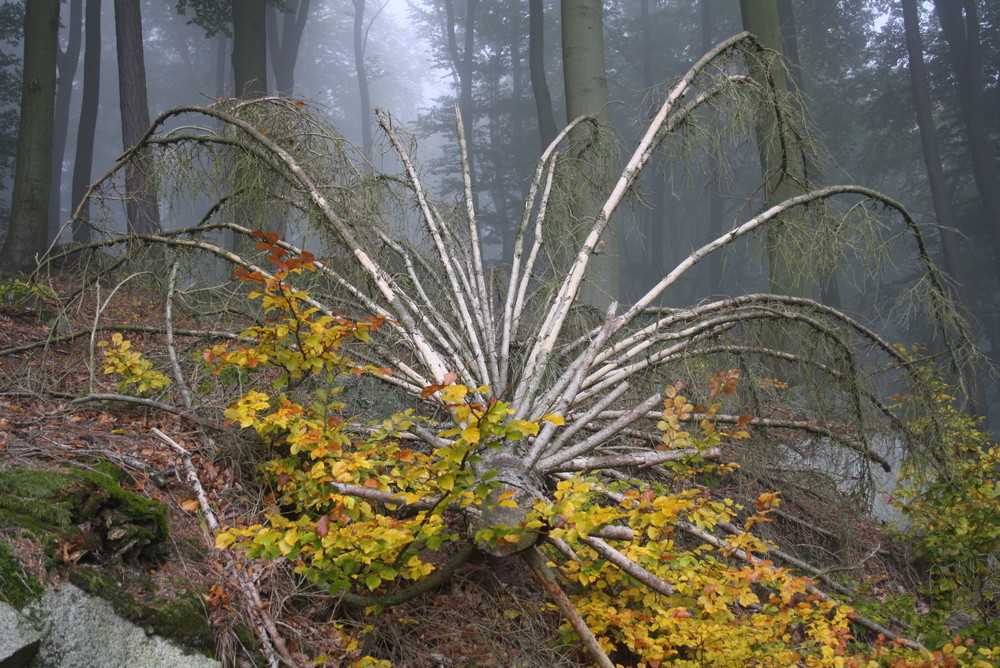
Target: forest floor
488,615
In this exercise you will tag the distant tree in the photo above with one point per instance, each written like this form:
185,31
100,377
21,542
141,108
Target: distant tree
11,32
141,205
536,58
283,44
33,171
779,147
928,140
66,64
960,25
249,48
89,105
586,83
360,34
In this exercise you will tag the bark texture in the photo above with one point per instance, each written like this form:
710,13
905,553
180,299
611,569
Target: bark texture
249,48
28,223
89,104
780,151
141,205
66,64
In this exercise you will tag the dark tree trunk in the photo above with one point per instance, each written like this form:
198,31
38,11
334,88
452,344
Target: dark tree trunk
89,104
962,34
536,66
362,74
950,253
586,82
928,141
66,64
249,48
463,64
714,197
142,207
33,169
780,152
284,47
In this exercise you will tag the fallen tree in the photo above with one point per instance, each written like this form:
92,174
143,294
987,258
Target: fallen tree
535,412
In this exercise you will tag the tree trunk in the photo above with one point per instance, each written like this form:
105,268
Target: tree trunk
284,49
141,205
928,142
249,48
780,152
221,73
33,168
463,64
966,58
715,283
66,63
536,65
89,104
362,74
585,77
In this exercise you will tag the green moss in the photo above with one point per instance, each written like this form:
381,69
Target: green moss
118,524
17,587
182,619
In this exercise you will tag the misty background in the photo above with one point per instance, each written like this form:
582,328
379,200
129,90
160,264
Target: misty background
848,58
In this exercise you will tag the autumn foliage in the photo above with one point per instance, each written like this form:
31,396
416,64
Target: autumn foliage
663,570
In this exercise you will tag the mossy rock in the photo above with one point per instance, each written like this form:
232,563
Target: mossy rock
17,587
113,523
132,594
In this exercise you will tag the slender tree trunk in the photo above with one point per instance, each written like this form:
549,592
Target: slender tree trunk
966,58
536,66
284,49
221,73
780,152
362,74
141,205
89,104
585,76
33,168
66,64
714,197
249,48
950,252
928,142
463,64
654,216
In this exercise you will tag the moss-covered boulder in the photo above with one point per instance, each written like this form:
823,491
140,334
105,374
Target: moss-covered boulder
89,511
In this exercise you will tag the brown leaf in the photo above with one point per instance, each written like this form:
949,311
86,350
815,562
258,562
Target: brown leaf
323,526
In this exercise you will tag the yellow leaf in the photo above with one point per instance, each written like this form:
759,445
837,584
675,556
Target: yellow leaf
557,420
454,393
471,434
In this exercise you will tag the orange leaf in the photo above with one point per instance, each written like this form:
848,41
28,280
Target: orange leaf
429,390
190,505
